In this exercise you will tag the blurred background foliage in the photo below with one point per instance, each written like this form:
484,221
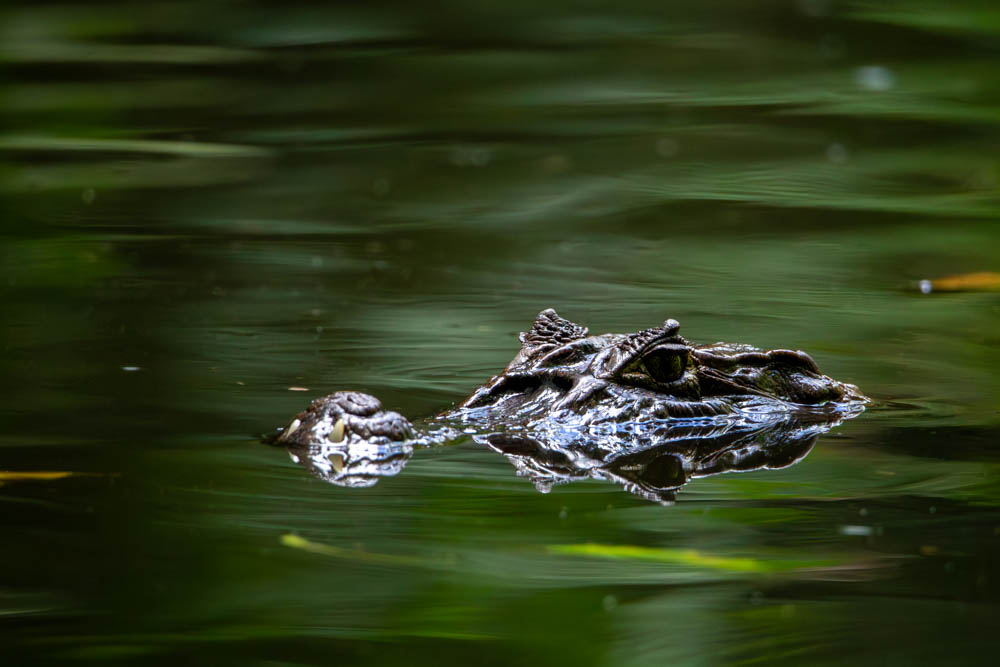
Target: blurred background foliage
207,203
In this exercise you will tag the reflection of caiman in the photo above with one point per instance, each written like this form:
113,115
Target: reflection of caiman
648,410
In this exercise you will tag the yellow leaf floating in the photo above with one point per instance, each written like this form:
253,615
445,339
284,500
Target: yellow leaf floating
689,557
21,476
980,281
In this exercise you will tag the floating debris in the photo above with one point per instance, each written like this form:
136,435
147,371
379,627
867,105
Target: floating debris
46,475
980,281
9,476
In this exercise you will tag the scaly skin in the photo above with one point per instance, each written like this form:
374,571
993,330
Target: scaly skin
594,403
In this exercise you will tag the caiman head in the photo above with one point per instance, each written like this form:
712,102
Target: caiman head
563,373
648,409
567,377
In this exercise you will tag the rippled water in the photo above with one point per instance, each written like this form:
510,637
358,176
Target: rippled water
208,208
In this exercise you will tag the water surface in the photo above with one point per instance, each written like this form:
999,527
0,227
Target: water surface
204,207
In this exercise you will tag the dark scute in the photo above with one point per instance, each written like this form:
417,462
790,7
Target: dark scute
549,330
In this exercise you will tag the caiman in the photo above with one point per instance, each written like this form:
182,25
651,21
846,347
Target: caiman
648,410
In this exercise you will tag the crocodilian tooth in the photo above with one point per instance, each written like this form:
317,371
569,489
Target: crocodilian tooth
337,434
291,429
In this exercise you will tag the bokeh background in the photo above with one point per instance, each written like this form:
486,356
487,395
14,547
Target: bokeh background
205,204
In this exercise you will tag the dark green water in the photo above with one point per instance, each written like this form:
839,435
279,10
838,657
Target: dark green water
204,205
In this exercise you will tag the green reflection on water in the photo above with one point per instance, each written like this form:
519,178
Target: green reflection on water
206,205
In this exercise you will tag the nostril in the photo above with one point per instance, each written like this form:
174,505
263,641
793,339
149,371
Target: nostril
562,383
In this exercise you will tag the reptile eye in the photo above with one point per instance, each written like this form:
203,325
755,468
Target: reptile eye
665,363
